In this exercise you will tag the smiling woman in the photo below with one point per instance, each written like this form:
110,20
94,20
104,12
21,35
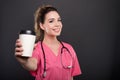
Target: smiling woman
51,59
52,24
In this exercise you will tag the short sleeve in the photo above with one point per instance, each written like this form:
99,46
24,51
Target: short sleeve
76,70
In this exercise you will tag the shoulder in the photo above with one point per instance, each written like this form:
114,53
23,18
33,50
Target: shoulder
69,47
66,44
37,45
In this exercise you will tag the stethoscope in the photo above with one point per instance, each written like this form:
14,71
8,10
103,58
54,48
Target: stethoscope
63,47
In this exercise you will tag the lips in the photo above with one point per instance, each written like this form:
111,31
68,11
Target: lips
57,30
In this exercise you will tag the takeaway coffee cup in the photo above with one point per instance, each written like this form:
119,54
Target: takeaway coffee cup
27,38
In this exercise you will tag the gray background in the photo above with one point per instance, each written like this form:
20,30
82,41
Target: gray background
90,26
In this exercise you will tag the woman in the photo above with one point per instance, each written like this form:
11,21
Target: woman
52,59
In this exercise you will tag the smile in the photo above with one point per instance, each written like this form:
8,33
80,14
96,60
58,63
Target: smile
56,30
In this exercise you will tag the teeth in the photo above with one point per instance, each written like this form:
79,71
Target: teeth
56,30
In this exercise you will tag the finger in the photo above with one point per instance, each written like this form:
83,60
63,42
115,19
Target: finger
18,40
18,49
18,54
18,43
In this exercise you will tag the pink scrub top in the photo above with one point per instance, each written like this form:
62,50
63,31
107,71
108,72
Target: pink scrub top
55,64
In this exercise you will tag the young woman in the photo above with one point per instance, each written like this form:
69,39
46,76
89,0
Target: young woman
52,59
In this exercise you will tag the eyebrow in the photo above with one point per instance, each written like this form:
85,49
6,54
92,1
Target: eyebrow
53,18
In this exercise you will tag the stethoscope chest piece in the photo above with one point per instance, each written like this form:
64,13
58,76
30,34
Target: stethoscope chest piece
44,74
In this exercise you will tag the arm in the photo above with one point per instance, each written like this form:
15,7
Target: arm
27,62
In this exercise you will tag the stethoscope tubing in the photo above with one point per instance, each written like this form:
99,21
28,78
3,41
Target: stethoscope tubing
63,47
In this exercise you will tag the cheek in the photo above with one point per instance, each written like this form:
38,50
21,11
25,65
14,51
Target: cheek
61,27
46,29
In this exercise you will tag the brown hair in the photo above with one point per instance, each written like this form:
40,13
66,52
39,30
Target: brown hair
39,17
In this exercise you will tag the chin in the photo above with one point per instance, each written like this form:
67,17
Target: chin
58,34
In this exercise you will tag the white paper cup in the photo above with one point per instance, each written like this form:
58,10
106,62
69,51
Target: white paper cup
27,38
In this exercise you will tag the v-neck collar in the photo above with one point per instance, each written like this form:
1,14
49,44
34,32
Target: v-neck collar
51,52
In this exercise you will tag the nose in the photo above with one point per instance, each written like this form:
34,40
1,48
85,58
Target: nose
57,24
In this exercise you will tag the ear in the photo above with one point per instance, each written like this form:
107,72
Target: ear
41,26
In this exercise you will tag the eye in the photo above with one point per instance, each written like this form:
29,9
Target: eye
50,21
60,20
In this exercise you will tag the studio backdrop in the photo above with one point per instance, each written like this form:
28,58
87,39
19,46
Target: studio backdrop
90,26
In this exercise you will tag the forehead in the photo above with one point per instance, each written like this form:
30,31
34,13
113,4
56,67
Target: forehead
52,14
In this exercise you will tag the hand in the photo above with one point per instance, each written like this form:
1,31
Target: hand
28,63
18,48
18,52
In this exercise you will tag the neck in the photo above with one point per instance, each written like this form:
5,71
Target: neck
50,40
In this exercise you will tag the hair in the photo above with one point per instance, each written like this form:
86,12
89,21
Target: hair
39,17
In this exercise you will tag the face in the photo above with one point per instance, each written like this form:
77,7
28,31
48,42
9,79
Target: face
52,25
